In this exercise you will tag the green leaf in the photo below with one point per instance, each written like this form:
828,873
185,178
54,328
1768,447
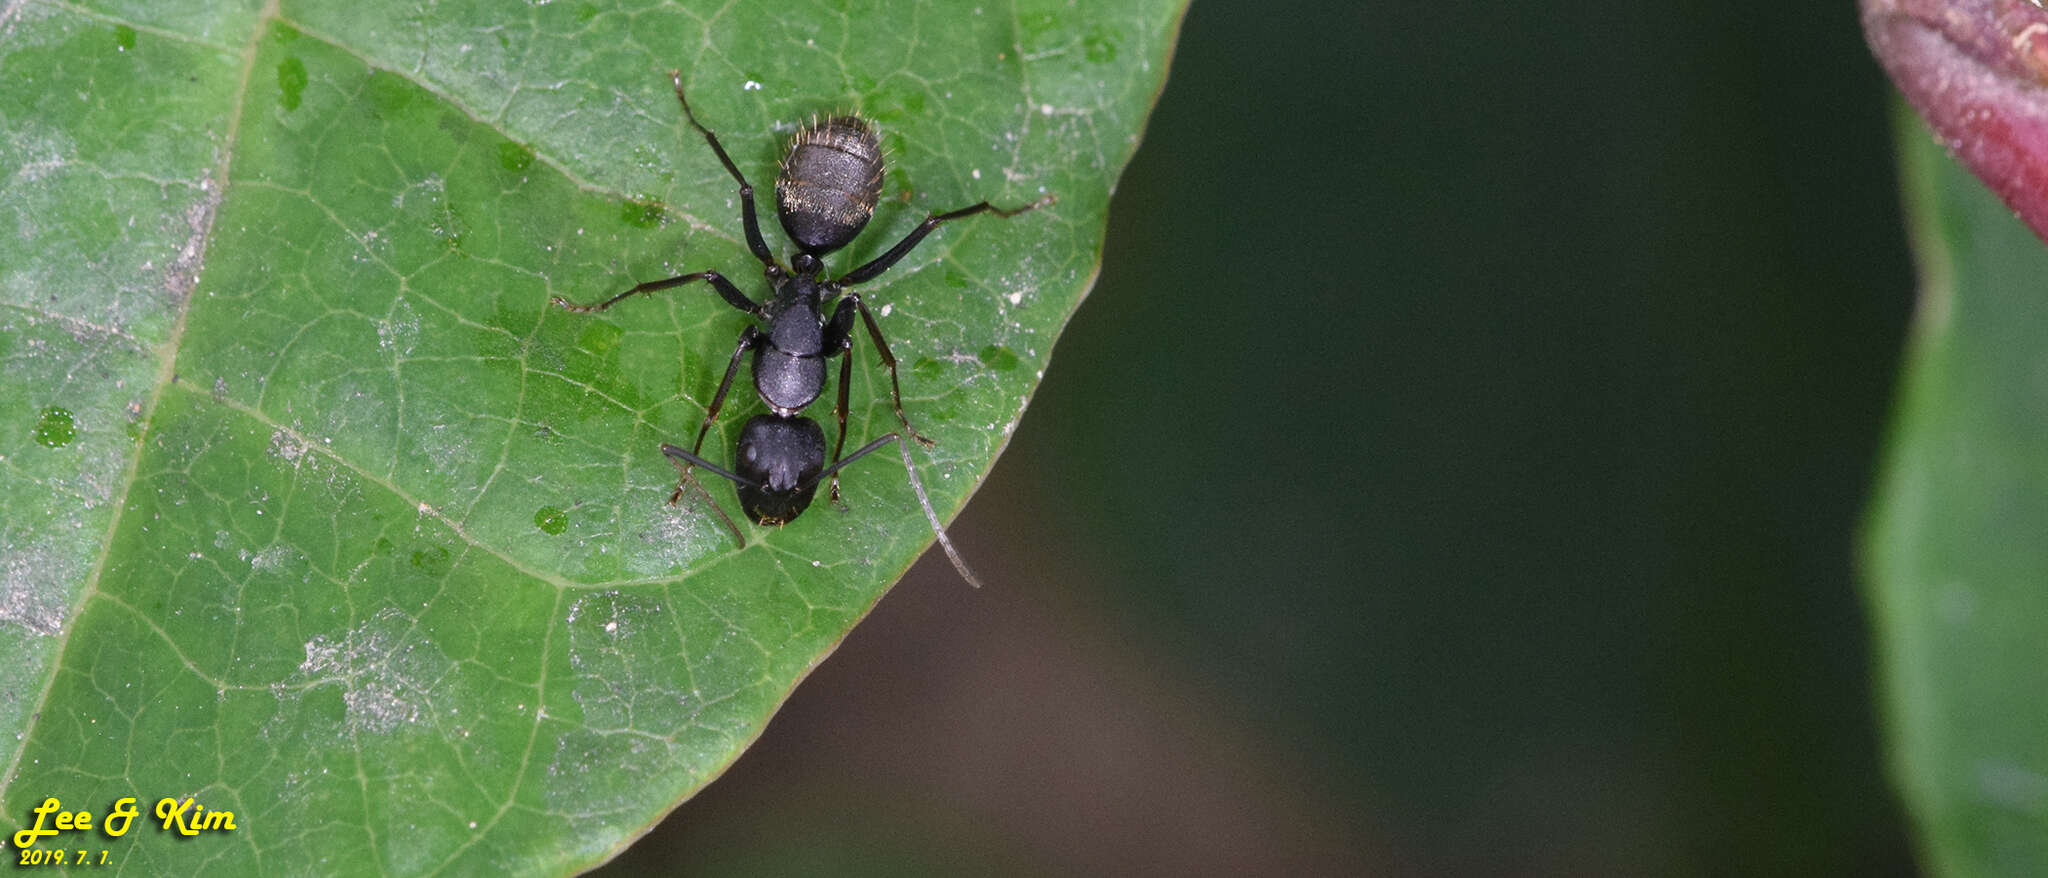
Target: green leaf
1957,548
314,510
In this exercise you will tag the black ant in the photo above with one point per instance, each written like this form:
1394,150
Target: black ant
825,193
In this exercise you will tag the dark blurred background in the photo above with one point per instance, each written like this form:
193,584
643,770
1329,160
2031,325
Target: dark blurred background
1456,471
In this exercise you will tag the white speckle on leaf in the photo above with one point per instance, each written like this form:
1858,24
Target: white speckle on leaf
183,272
386,669
286,446
32,588
47,151
611,634
751,86
398,332
433,186
272,558
677,536
447,449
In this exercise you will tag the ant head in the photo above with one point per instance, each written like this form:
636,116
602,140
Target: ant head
805,265
829,183
770,509
780,459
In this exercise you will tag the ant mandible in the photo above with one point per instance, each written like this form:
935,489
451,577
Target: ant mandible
825,193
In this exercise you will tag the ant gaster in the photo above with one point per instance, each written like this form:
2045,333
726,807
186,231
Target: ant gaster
825,193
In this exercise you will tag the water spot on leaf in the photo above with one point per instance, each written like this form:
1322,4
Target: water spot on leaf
926,367
431,560
55,429
291,81
1035,27
551,520
124,38
1099,46
955,279
999,358
600,338
586,12
648,214
514,157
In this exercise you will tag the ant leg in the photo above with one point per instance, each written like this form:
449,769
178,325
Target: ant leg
748,340
839,337
845,379
882,263
888,359
924,501
753,224
726,290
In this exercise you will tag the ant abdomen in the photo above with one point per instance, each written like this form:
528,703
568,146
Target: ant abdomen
829,183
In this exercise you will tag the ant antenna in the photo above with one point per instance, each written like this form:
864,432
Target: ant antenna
916,486
675,454
681,456
952,554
